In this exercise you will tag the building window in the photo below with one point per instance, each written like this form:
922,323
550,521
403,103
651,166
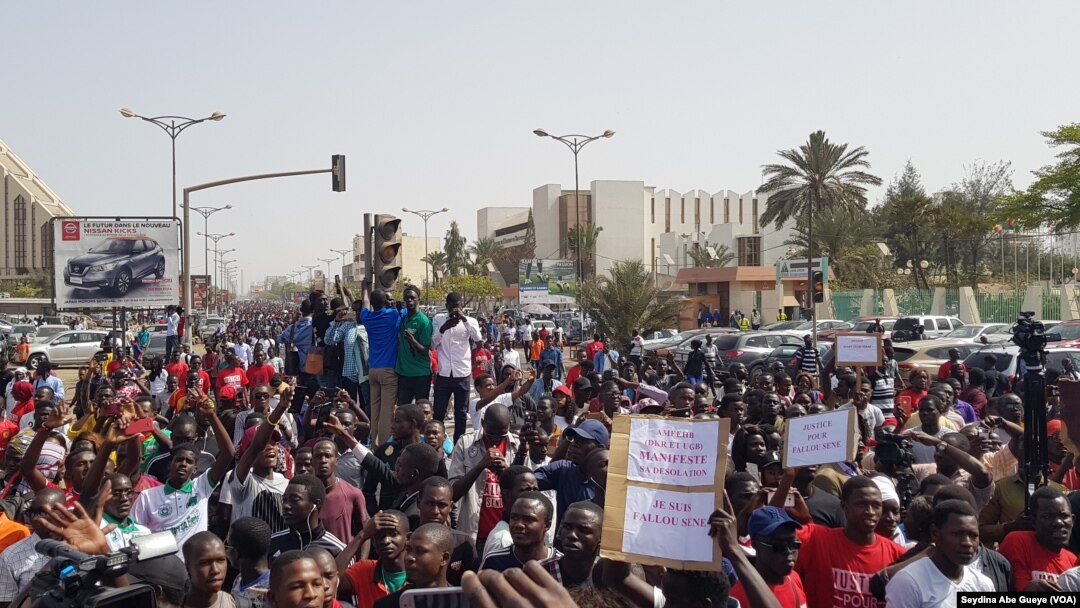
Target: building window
697,213
682,210
754,229
47,245
712,211
749,250
740,212
667,214
727,211
702,289
652,209
21,236
652,248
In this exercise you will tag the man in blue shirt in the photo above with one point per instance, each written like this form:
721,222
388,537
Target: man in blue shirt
299,336
383,322
606,359
567,477
553,355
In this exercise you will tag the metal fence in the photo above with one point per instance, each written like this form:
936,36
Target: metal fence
993,307
846,304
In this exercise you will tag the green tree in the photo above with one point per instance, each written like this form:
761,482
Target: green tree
1054,198
483,252
910,215
475,290
816,176
626,300
701,257
454,248
437,261
587,235
849,243
970,208
25,290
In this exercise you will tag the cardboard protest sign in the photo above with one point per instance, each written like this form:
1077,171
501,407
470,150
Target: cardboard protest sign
665,478
821,438
858,349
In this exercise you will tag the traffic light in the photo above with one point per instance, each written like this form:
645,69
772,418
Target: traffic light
818,287
387,251
337,172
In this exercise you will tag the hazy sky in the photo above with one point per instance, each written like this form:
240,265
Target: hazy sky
434,103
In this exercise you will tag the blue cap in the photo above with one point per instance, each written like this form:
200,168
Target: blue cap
591,429
766,520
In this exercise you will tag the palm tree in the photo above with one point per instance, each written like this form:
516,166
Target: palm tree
818,175
587,235
437,261
700,255
849,244
626,300
483,253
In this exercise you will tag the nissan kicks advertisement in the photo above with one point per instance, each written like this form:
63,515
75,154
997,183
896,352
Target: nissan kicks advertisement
120,263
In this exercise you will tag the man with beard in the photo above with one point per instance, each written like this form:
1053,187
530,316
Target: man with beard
427,558
300,505
1039,556
181,504
853,553
935,580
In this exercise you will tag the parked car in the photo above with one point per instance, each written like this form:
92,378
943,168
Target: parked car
976,331
934,326
66,348
663,347
1006,359
1065,335
786,355
659,335
44,332
928,354
156,346
782,325
19,330
114,264
859,325
743,347
807,326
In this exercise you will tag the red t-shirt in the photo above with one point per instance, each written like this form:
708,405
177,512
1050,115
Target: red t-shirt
914,398
178,369
572,375
491,502
204,381
945,371
592,348
837,572
260,374
1031,561
790,592
480,362
233,376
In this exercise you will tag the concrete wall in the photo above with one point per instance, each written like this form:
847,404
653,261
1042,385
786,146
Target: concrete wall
490,218
546,219
618,208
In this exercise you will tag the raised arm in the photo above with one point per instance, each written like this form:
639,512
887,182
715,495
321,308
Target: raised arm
262,437
28,467
226,450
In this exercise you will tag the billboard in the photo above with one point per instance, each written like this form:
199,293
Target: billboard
547,281
200,290
102,264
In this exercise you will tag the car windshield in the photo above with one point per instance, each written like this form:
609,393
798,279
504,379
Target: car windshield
1003,359
722,342
45,332
113,246
672,341
1066,332
967,331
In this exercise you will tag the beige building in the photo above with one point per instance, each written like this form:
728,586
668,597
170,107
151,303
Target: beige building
28,206
413,267
509,226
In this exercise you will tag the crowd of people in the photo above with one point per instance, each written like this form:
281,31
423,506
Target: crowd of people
306,458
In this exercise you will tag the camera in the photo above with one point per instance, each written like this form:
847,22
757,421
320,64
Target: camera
73,578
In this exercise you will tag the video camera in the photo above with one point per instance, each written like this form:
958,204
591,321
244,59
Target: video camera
894,451
74,579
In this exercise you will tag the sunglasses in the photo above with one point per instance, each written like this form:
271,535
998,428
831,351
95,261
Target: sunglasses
782,548
261,395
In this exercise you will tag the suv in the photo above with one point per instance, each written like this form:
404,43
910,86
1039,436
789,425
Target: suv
933,327
743,347
115,263
1005,356
66,348
786,354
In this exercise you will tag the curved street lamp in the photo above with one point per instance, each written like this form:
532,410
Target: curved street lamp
426,214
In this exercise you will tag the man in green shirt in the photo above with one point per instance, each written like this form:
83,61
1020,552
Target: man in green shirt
414,351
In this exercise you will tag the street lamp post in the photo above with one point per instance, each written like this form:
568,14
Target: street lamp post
217,251
326,277
173,127
576,143
426,215
342,253
310,277
225,277
206,212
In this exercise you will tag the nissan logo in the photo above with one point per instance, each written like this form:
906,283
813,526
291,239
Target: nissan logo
70,227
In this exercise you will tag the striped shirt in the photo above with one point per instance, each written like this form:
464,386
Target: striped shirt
290,539
505,559
883,394
18,565
809,359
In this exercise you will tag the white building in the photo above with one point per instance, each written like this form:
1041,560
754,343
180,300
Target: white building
413,267
656,226
25,218
507,225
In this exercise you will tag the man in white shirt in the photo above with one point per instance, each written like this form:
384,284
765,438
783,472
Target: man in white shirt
509,355
244,353
935,580
172,334
451,341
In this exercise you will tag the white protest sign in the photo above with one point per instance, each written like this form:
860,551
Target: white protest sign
821,438
672,524
670,451
858,349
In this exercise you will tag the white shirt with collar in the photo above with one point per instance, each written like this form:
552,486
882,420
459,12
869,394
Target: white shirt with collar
453,347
